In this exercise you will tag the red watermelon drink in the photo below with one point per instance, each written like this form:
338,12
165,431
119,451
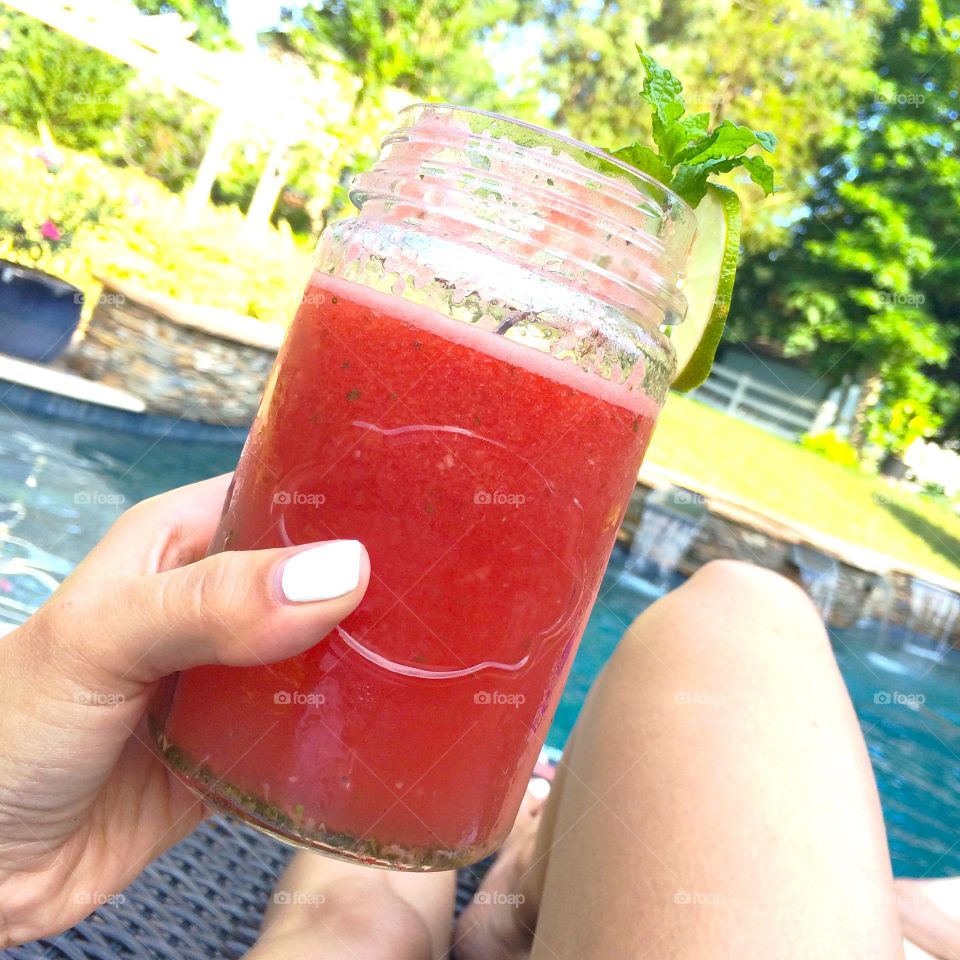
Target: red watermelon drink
468,389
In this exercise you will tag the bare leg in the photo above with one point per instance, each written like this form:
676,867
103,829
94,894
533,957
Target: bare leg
716,801
325,909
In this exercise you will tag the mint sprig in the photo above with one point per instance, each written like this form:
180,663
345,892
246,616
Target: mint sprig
688,152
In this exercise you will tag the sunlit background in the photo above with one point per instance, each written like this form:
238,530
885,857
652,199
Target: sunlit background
176,161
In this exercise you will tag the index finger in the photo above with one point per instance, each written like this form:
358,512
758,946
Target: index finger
164,532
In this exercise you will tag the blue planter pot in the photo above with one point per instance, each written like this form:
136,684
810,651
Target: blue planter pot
892,466
38,313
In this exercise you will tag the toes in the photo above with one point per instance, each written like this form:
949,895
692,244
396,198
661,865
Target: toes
534,799
539,789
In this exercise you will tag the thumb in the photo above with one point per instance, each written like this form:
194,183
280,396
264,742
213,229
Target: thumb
239,608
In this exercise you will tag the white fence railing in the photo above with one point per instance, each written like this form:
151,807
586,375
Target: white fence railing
747,398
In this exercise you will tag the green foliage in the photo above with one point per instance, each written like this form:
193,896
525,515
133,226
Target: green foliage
936,493
856,262
49,78
40,224
788,65
150,239
869,284
212,262
431,48
398,52
590,70
689,152
162,132
832,446
905,421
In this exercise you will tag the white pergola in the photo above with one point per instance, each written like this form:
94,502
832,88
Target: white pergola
248,89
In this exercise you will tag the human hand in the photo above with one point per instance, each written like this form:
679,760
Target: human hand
85,804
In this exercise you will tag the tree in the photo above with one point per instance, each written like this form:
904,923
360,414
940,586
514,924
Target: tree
796,67
163,132
431,48
590,66
869,285
48,77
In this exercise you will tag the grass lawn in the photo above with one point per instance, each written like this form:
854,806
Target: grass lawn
776,475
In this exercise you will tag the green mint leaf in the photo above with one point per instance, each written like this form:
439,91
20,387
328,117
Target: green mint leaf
767,140
661,89
664,136
690,179
761,173
687,152
673,138
642,157
699,150
697,124
728,140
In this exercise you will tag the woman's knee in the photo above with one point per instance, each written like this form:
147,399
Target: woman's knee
728,609
731,592
722,578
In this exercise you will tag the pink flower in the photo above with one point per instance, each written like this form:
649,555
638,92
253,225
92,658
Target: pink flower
50,160
50,231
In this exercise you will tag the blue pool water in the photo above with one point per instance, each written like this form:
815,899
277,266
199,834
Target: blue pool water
61,486
909,711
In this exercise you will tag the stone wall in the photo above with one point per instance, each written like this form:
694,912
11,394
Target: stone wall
198,363
883,597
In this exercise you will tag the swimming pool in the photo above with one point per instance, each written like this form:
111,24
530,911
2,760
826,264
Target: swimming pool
909,711
61,486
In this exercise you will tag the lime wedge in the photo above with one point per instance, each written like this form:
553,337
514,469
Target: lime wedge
708,286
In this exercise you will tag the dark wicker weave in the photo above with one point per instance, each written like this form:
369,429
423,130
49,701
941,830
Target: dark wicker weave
202,899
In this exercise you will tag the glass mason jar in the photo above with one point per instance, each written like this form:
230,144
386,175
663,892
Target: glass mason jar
468,388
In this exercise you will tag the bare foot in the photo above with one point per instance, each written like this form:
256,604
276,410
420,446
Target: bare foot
325,909
500,921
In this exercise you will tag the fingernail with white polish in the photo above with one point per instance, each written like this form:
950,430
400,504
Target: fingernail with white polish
322,572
